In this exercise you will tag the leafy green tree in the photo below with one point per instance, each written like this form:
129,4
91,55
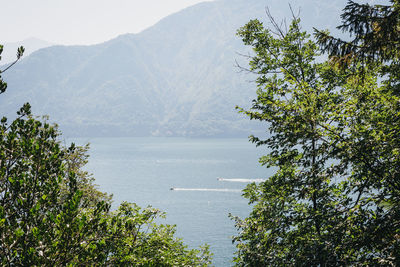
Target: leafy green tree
38,224
135,240
368,145
295,208
51,214
373,142
76,159
322,207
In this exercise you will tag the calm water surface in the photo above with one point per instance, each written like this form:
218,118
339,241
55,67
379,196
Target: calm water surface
142,170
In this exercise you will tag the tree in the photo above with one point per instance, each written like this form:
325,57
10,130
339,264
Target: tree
76,159
20,52
51,214
135,240
39,224
321,207
374,141
375,32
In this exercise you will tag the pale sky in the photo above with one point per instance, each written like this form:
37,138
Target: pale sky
71,22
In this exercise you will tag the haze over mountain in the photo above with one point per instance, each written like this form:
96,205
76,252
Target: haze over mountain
31,45
176,78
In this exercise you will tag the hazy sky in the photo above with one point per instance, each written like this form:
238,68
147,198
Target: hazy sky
81,21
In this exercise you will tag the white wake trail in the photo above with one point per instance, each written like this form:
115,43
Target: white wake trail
206,189
240,180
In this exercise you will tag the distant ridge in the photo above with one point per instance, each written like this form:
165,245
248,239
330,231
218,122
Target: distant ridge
31,45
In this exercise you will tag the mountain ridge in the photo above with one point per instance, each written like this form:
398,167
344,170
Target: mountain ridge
176,78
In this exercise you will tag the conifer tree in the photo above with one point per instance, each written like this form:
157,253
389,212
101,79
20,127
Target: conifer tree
374,37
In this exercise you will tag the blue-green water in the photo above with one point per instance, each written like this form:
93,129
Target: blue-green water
142,170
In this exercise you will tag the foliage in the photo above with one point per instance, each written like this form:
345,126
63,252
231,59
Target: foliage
76,159
39,225
51,214
375,32
374,144
149,244
3,84
332,199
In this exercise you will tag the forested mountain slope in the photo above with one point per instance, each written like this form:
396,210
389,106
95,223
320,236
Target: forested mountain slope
176,78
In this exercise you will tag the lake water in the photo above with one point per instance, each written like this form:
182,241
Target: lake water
142,170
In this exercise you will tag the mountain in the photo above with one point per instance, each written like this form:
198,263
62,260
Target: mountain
176,78
30,45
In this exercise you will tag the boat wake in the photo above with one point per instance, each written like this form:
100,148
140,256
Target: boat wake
206,189
240,180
